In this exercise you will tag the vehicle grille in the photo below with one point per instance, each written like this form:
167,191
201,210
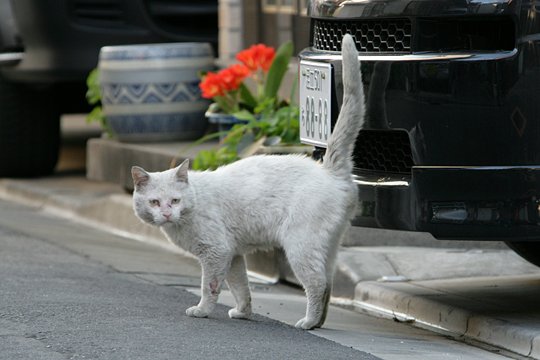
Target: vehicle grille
186,19
405,36
386,151
378,36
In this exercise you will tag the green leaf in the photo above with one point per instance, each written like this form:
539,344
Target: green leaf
93,94
245,115
214,108
245,141
247,97
278,69
293,95
223,104
266,106
212,159
96,115
204,160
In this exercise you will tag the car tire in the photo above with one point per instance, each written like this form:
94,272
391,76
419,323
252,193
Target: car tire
528,250
29,130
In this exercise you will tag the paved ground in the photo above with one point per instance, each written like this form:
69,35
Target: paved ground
58,303
107,207
70,291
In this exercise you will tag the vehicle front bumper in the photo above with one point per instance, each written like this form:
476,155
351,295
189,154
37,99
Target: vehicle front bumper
480,203
465,114
479,114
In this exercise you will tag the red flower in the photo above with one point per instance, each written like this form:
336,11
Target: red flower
233,76
226,80
257,57
212,85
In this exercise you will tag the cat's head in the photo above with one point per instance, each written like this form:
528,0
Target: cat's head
161,197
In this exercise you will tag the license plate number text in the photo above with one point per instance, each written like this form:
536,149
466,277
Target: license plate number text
315,102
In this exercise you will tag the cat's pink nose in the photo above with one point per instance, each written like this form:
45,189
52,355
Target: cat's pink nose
167,216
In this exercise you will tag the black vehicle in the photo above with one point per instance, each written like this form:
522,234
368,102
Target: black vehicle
47,49
451,144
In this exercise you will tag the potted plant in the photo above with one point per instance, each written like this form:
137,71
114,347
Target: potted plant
247,107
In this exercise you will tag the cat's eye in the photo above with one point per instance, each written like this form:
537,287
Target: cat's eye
175,201
154,202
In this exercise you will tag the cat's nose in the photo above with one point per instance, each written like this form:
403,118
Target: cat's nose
167,216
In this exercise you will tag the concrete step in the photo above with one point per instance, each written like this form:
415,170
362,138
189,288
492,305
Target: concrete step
111,161
498,310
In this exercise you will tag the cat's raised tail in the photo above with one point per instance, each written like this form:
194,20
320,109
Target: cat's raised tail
338,157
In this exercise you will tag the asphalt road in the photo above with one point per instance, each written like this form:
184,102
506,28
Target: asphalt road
58,303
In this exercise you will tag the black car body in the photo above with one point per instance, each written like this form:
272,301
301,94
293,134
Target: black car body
47,49
451,143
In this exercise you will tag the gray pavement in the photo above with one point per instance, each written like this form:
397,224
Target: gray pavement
72,291
60,302
374,278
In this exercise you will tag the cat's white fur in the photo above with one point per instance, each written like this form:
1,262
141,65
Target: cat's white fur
261,202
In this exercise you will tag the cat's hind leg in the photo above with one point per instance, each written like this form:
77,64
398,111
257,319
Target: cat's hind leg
237,281
317,292
330,268
311,255
308,261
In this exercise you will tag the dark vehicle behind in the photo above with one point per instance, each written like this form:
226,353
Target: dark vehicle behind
451,144
48,47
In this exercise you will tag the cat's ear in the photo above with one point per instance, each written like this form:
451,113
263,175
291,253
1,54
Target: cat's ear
140,177
182,171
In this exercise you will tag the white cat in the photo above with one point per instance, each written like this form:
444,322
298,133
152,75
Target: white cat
260,202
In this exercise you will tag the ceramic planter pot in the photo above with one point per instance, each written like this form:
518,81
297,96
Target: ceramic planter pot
151,93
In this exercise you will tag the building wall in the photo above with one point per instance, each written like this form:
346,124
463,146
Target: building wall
272,22
243,23
231,29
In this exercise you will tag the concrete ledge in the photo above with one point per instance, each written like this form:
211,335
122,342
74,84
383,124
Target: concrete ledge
111,161
108,207
480,309
101,205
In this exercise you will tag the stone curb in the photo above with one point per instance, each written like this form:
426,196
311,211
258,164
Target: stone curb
418,302
111,209
107,209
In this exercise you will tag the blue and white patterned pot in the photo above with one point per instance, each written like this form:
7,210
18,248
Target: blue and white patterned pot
151,93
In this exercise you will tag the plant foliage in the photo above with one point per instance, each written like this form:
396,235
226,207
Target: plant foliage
93,96
264,116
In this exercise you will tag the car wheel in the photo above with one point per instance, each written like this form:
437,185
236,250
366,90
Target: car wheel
528,250
29,130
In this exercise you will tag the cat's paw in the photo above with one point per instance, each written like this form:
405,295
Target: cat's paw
237,314
196,311
306,324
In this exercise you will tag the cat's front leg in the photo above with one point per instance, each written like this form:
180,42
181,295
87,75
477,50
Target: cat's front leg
214,272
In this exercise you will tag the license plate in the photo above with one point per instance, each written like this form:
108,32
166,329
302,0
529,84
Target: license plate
315,95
